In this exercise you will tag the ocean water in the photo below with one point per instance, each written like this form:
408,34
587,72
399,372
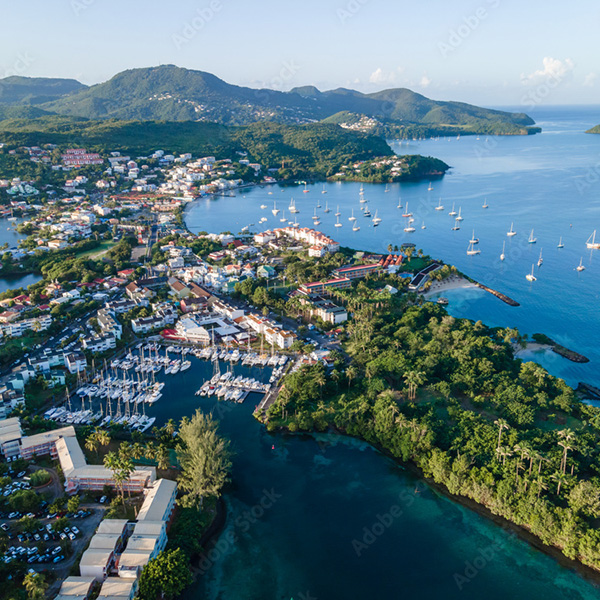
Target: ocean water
548,182
327,517
10,236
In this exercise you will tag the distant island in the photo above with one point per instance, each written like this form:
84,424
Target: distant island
594,129
170,93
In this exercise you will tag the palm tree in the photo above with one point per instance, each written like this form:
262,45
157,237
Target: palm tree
560,479
503,452
169,427
541,485
567,435
502,424
413,379
35,585
162,457
103,437
137,451
92,443
150,451
351,373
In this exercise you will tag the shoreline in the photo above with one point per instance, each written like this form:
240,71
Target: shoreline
454,282
588,573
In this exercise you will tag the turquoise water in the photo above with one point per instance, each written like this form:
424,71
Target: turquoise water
320,494
329,517
548,182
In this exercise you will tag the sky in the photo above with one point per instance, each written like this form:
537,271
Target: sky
488,52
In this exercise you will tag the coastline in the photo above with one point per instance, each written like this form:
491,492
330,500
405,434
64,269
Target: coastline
453,282
590,574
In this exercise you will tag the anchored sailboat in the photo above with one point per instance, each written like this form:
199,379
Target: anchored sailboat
471,250
502,256
439,206
581,267
532,240
560,243
275,210
511,232
592,244
531,276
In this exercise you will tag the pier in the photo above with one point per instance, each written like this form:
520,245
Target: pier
498,295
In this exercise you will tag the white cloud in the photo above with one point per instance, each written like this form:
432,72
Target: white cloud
425,81
553,68
590,79
382,77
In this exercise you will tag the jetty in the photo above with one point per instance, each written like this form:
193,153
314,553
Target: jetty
499,295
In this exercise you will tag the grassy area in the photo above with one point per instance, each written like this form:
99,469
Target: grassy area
96,252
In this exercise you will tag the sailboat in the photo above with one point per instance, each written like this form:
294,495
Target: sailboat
407,214
409,228
316,221
323,191
540,259
581,267
399,202
430,188
485,204
292,207
459,218
275,210
502,256
452,213
338,213
532,240
352,218
423,226
327,209
367,212
560,243
473,239
471,250
283,217
439,206
531,276
318,203
305,190
376,220
592,244
355,227
314,217
456,225
337,223
511,232
263,206
387,188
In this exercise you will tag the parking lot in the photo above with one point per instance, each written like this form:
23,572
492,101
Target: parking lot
41,539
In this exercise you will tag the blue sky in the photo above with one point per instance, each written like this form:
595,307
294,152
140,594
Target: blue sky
490,52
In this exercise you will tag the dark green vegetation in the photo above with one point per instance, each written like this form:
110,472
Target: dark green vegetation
448,396
595,129
36,90
318,150
165,576
171,93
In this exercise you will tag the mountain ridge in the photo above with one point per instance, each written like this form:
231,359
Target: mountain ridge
172,93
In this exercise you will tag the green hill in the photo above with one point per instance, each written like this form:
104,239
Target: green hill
35,90
314,150
171,93
594,129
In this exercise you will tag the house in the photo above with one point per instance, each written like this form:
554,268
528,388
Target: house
116,588
96,563
355,272
75,362
159,502
192,304
44,443
10,437
131,563
99,343
76,588
266,271
80,476
178,288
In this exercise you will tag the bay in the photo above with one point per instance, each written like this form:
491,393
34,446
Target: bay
549,183
9,235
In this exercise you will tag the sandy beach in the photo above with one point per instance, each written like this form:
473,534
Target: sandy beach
450,283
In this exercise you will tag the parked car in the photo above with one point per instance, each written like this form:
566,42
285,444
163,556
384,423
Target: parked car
71,536
56,550
75,530
58,558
